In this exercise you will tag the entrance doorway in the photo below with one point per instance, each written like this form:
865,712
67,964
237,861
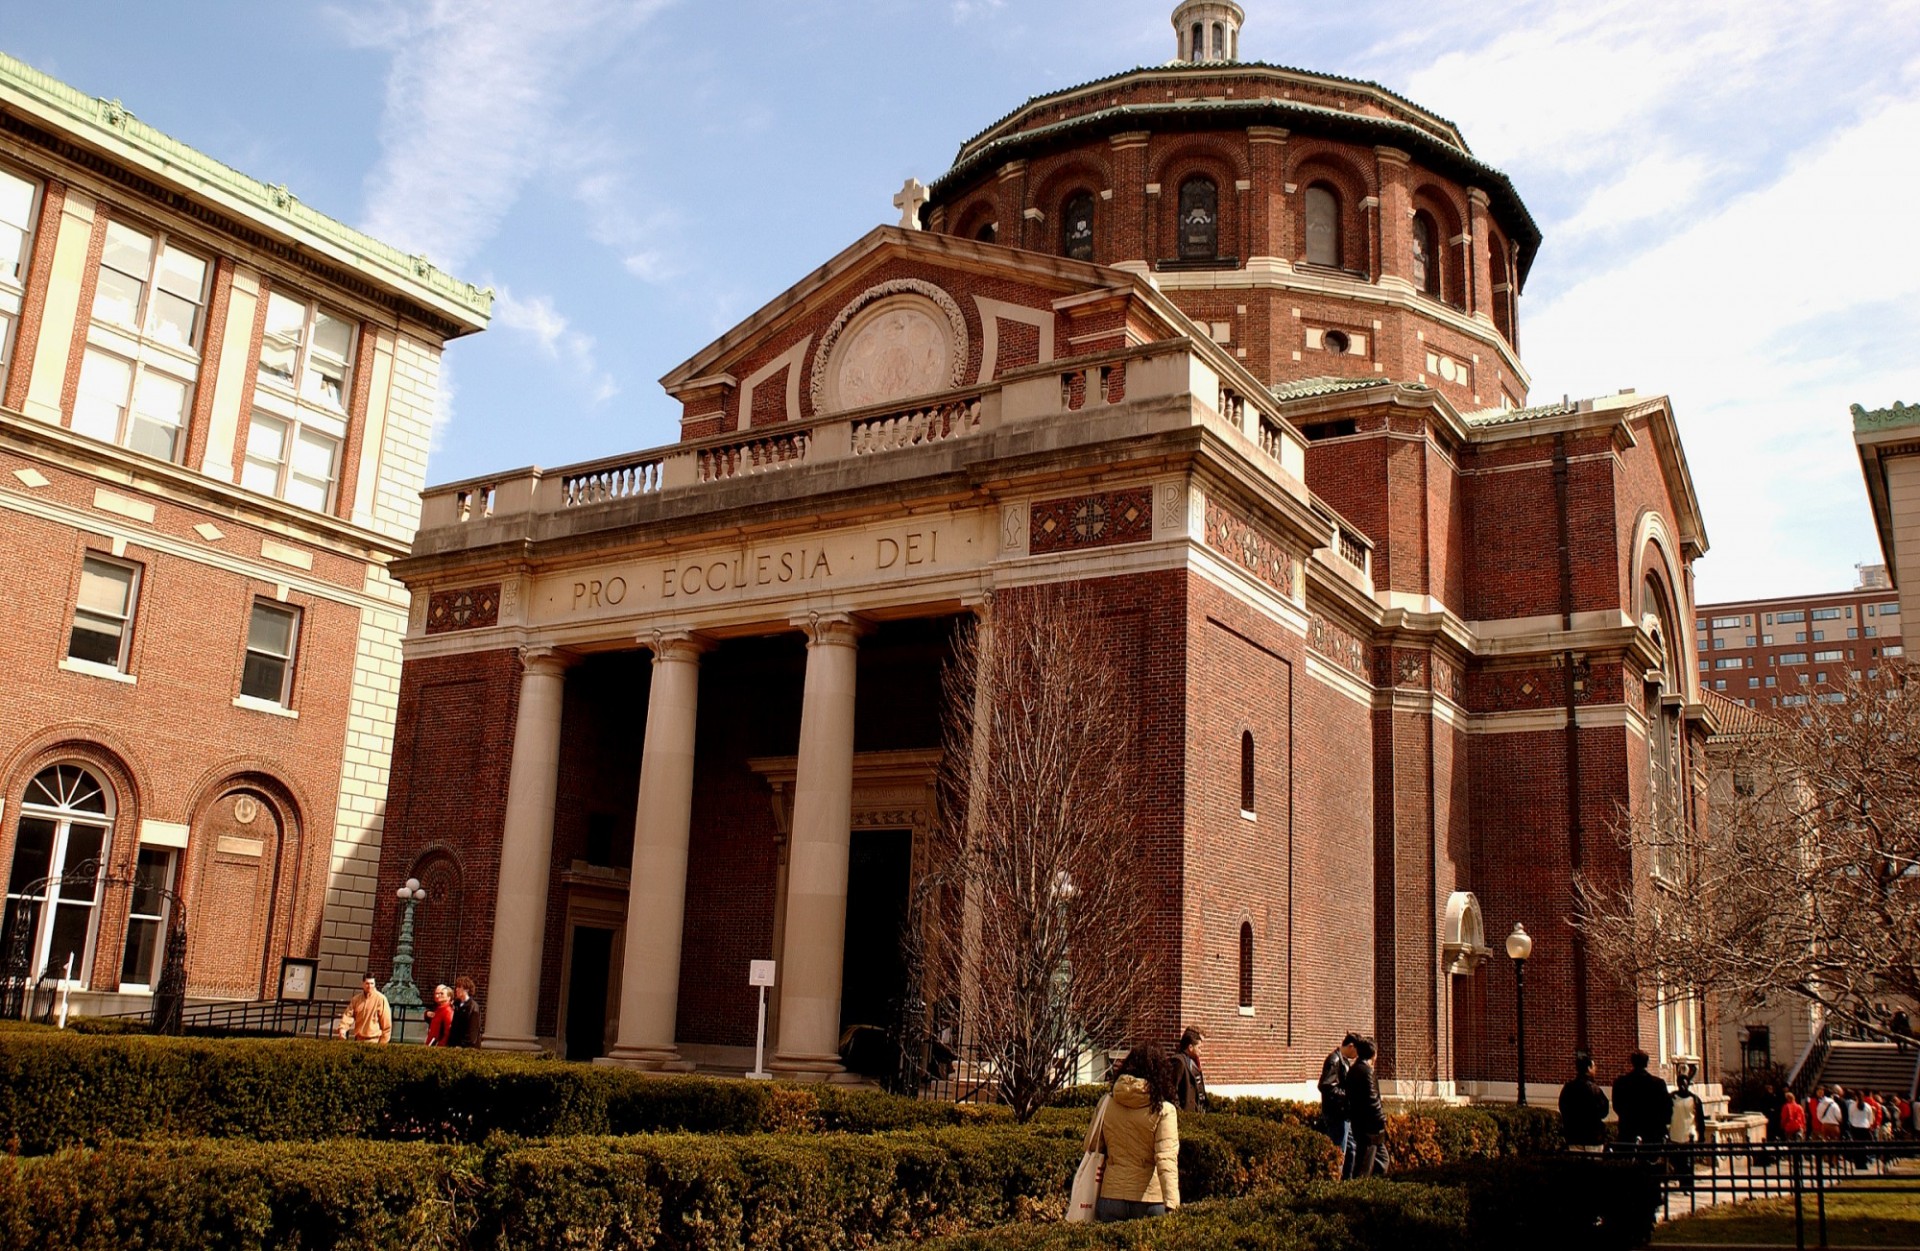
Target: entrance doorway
591,964
873,972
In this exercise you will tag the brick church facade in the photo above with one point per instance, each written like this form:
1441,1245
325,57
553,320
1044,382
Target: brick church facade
1233,350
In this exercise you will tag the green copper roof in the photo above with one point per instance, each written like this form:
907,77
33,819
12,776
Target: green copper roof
1309,388
1507,416
1885,418
107,126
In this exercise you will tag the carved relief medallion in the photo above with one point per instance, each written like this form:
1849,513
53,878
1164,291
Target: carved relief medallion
896,340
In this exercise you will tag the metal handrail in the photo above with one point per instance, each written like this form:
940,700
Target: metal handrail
1806,1070
1694,1176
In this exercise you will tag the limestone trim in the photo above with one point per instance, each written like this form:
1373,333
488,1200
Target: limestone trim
1338,680
992,312
823,362
789,360
1544,720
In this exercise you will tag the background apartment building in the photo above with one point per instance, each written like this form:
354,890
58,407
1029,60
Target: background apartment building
1781,652
214,411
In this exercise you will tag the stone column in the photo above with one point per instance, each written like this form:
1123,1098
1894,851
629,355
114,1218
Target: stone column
526,853
657,886
816,927
1396,219
1478,261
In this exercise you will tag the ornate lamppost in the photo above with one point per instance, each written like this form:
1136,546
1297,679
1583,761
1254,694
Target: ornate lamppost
1519,947
400,991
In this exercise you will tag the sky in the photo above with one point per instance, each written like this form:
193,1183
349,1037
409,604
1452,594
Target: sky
1719,185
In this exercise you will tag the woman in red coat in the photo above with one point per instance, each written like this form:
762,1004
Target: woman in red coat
440,1019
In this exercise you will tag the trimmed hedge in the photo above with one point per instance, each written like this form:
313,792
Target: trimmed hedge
59,1090
1327,1216
662,1191
1579,1203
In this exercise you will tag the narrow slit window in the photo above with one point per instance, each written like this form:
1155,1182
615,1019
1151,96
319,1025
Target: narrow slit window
1246,964
1246,771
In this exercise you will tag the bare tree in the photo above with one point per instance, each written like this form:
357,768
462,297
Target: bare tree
1036,903
1803,882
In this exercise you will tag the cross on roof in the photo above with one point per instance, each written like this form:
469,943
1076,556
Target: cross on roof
911,197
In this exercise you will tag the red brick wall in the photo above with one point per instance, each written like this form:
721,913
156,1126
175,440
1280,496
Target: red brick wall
446,802
173,738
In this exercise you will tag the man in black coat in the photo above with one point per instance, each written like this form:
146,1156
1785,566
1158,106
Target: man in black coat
1644,1104
1333,1100
1583,1108
1365,1113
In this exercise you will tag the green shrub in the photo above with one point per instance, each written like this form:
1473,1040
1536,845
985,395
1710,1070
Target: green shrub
1327,1216
1531,1130
1579,1203
59,1089
665,1191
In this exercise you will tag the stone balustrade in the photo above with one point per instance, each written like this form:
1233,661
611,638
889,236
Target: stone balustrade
1081,387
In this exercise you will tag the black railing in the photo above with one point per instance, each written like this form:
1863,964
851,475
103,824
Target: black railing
281,1018
1695,1177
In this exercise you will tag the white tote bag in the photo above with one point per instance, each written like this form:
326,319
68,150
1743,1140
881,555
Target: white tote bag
1086,1179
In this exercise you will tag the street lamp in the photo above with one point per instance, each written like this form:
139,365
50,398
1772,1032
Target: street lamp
1519,947
401,991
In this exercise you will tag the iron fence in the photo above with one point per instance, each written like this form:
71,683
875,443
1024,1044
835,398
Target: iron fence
1698,1176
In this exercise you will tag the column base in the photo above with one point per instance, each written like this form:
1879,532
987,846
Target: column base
646,1059
813,1068
524,1046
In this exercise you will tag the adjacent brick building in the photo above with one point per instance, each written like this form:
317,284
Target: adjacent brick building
214,409
1784,651
1233,349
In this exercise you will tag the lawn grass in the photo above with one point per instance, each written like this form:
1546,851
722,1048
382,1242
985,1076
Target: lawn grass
1853,1220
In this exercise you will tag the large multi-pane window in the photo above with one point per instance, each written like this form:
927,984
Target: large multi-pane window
273,634
103,615
143,344
65,818
19,202
299,422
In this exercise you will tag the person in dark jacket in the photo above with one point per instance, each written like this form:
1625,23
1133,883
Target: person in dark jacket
1192,1085
1333,1100
1365,1113
464,1031
1583,1108
1644,1104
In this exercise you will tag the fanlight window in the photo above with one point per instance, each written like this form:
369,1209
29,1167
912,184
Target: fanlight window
1199,220
65,819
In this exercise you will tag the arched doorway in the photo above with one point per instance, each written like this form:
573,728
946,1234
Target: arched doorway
241,888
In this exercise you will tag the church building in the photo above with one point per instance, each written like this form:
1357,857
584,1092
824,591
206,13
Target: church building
1231,349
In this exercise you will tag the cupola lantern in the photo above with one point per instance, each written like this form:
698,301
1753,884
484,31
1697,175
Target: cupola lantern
1208,31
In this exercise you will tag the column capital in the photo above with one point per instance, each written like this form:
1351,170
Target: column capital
677,645
1477,197
831,629
545,660
1392,156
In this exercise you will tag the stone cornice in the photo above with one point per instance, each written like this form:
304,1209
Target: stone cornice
105,127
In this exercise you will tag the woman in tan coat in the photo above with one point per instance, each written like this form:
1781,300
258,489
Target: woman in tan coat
1140,1133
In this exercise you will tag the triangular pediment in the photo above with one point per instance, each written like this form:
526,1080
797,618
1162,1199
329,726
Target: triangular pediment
903,314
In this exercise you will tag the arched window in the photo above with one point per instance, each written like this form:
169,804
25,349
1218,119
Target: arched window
1246,964
1198,51
1219,42
986,232
1199,220
1323,226
1426,256
1076,227
65,818
1503,301
1246,771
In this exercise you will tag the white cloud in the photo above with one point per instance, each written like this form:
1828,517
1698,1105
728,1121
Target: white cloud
619,218
472,103
1657,186
1764,320
965,10
553,335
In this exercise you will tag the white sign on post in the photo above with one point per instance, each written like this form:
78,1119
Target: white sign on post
760,974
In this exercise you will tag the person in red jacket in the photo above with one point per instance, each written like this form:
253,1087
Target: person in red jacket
440,1020
1793,1120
